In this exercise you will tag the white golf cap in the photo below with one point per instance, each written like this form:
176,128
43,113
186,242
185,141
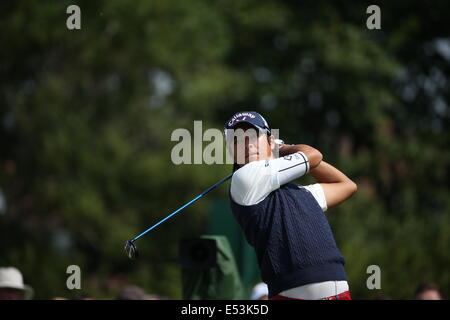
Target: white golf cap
259,290
11,277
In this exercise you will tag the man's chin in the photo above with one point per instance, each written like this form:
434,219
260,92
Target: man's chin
248,160
252,159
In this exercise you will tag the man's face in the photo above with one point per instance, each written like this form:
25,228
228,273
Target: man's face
429,295
250,144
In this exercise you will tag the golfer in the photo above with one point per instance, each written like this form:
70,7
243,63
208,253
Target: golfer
283,221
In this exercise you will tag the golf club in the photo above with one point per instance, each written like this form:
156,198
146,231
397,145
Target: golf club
130,246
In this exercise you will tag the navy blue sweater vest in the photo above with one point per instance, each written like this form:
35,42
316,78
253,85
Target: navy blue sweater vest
293,241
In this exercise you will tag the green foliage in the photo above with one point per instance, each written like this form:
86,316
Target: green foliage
86,118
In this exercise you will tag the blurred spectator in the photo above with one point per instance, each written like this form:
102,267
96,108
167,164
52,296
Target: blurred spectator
12,286
84,296
260,292
382,297
154,297
132,293
428,291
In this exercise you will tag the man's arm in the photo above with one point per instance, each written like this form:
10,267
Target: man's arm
313,155
337,187
254,181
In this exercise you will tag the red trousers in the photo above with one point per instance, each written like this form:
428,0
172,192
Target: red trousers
341,296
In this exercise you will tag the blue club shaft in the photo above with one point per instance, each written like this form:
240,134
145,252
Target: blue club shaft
184,206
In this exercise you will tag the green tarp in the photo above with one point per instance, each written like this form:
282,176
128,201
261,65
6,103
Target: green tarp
221,282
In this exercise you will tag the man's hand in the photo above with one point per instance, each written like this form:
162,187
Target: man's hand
313,155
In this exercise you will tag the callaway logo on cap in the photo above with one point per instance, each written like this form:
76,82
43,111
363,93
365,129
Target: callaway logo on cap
251,117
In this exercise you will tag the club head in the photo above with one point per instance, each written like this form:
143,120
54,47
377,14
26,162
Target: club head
131,249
